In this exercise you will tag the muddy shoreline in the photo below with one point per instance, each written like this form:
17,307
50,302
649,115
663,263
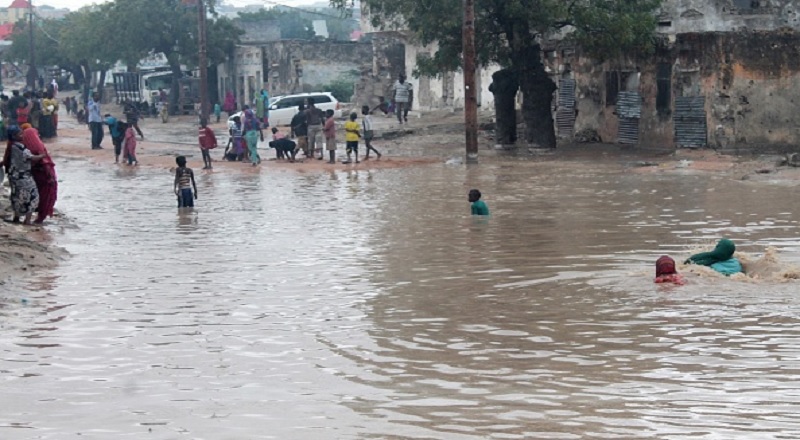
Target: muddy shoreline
25,250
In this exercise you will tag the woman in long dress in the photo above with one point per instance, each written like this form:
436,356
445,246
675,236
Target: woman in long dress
47,128
44,174
18,161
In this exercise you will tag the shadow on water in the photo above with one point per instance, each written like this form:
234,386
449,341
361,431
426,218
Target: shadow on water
368,304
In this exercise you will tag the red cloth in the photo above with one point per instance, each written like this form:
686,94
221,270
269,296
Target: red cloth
44,174
207,138
22,115
665,266
672,278
230,103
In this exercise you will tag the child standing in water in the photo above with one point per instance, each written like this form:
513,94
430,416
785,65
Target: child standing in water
352,134
207,142
130,145
369,133
478,206
184,183
217,110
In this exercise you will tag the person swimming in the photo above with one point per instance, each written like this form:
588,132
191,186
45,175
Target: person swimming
721,259
666,272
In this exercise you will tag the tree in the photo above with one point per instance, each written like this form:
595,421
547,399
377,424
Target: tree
510,32
292,24
169,27
85,37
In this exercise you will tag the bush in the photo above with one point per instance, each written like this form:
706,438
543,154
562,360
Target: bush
342,89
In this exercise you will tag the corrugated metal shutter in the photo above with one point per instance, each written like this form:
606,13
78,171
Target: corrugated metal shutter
629,110
690,121
565,116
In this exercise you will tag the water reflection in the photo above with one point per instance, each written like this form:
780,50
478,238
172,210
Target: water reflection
369,304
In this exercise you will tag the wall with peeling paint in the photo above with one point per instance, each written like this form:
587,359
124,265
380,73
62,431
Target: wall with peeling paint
744,64
292,66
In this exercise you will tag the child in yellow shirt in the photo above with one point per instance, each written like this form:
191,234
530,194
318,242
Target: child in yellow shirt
352,134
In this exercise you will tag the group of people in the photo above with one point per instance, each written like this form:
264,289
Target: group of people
720,260
38,108
308,126
31,174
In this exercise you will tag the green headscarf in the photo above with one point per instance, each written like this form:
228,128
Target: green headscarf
723,252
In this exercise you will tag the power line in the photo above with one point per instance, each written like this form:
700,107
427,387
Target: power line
41,27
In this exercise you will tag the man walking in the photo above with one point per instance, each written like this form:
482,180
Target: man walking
299,126
95,121
403,97
314,117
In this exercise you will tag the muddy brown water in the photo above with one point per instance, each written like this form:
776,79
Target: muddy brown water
369,305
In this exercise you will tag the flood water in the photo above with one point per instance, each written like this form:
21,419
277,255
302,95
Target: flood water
369,305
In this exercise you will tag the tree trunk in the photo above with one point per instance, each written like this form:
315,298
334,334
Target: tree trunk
87,81
101,83
537,90
504,87
77,76
175,89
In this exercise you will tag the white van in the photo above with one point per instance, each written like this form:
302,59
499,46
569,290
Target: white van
283,108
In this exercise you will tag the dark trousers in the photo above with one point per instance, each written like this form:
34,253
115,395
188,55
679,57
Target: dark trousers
97,133
135,124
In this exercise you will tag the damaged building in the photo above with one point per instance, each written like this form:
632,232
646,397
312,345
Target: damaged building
395,52
283,67
724,74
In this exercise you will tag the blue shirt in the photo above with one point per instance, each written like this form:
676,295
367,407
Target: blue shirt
113,127
94,111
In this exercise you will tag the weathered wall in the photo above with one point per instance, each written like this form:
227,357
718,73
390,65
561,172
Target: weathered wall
689,16
292,66
259,31
446,91
750,82
388,60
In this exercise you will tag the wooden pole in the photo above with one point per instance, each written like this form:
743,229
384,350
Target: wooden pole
470,92
32,75
202,59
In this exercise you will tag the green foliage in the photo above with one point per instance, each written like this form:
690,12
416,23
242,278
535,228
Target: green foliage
341,88
507,29
293,25
96,37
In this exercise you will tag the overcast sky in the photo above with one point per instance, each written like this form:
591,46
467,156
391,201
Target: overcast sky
75,4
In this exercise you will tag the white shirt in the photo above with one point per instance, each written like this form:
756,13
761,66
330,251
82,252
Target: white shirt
366,123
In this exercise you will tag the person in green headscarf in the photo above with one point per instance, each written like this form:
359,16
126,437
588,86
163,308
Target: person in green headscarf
720,259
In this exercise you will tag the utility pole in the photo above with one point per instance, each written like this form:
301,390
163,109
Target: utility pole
470,92
32,75
202,59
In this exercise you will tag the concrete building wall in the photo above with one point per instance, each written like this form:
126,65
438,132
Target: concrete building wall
259,31
750,82
445,91
692,16
292,66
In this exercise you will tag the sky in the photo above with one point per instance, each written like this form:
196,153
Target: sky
76,4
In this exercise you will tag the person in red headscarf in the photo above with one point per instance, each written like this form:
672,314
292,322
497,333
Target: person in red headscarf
44,174
666,272
230,104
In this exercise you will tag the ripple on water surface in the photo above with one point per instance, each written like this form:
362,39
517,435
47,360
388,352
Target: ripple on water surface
369,305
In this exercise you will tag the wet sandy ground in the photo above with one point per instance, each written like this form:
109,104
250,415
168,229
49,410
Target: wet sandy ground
163,142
